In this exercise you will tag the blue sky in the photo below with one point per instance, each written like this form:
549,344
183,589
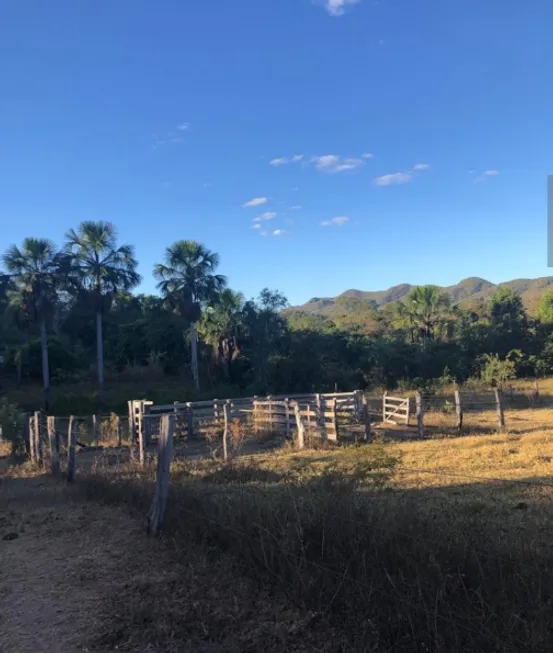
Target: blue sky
385,142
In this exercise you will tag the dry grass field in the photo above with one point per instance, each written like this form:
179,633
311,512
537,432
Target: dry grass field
441,545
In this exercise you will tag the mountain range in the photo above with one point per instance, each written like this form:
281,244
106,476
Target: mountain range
464,292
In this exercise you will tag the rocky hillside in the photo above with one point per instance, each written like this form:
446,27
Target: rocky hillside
473,288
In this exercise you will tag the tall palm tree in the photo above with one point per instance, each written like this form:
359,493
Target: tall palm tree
187,281
220,326
425,309
34,270
100,269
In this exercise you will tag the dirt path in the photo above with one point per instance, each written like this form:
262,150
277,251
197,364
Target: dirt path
59,558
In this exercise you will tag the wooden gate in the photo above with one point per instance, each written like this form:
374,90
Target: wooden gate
395,409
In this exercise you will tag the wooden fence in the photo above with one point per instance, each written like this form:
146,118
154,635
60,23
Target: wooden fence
326,414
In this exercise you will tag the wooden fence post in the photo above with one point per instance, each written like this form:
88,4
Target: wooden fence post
300,426
287,417
408,410
420,415
226,414
118,431
141,438
31,429
71,446
458,412
164,457
54,442
95,430
254,413
333,433
189,420
384,406
216,411
500,413
26,434
38,438
132,428
367,419
270,400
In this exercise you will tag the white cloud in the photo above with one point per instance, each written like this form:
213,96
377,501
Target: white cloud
184,126
284,160
338,221
256,226
334,163
278,232
421,166
268,215
367,155
483,176
393,179
296,207
336,7
256,201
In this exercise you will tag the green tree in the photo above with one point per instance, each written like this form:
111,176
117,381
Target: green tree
220,328
425,311
188,283
545,309
35,271
100,269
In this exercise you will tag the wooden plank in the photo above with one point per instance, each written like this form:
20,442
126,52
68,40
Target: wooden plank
71,448
163,474
141,439
54,442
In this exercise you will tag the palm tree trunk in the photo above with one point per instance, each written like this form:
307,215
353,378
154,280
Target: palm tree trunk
100,356
45,368
194,355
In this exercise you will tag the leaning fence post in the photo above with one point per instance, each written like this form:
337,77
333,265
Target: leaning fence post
38,438
420,414
71,446
54,442
164,457
459,412
500,413
300,426
226,414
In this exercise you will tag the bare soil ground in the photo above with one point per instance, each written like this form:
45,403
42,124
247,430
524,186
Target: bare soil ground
83,576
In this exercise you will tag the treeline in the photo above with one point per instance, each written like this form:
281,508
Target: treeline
67,310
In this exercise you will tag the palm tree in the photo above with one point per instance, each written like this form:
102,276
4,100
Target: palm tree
100,269
34,270
220,327
187,281
425,310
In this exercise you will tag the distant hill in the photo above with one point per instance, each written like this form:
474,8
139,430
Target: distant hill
471,289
